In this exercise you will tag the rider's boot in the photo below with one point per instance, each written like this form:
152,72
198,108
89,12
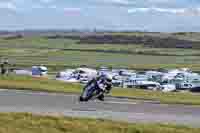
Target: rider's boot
101,97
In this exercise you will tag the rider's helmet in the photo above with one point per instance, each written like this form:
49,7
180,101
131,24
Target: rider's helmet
108,79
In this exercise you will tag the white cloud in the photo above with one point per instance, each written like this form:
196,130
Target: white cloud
177,11
46,1
147,3
133,10
120,2
190,12
72,10
160,1
7,5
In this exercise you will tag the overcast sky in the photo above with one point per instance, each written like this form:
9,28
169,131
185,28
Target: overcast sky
148,15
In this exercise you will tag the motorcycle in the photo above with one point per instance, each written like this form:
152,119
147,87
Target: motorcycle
92,91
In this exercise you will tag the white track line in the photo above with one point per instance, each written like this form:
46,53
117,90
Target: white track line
116,102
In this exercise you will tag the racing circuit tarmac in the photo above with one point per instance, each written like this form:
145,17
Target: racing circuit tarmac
112,108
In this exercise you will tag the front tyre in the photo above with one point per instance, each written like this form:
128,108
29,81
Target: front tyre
88,92
81,99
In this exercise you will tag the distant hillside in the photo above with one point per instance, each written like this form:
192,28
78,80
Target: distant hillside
148,39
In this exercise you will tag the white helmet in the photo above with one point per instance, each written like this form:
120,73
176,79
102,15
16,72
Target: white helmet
108,78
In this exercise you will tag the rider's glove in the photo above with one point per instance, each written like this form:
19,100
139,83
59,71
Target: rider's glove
107,90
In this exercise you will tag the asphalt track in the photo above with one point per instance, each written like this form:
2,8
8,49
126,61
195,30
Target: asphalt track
112,108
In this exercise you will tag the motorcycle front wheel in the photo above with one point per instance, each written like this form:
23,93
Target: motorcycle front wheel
88,92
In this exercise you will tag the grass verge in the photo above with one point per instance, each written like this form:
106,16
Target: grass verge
29,123
43,84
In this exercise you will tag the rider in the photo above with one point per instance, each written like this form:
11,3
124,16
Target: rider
105,83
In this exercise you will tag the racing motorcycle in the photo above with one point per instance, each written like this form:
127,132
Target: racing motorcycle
92,90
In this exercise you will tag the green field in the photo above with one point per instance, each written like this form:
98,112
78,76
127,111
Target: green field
30,123
43,84
58,54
